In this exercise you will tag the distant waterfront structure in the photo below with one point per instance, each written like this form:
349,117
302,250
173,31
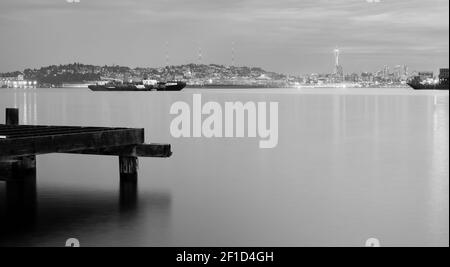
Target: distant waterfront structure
425,80
17,82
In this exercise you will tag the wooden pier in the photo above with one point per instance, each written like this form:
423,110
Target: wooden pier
20,144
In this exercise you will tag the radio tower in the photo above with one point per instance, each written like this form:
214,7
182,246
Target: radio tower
167,53
200,56
232,54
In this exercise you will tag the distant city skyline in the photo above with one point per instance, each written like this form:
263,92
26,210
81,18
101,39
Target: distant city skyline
286,36
79,75
338,69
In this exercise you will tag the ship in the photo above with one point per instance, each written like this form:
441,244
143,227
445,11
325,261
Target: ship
417,84
142,86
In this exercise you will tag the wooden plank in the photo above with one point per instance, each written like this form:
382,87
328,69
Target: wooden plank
4,127
142,150
47,132
154,150
20,131
69,142
38,132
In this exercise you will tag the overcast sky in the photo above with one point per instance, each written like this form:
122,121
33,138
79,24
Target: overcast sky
290,36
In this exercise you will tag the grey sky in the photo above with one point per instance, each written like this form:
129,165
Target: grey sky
291,36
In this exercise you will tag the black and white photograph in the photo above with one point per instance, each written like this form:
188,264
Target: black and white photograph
224,130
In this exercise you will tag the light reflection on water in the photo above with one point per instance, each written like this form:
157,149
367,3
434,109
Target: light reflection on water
350,165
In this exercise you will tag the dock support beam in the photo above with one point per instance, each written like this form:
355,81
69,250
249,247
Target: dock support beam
128,167
19,167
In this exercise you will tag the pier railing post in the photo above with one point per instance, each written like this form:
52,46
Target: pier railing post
128,167
12,116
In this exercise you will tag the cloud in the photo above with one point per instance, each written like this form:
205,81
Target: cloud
269,31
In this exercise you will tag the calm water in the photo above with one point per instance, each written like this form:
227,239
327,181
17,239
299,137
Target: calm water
350,165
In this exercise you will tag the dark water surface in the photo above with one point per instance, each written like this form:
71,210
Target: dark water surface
350,165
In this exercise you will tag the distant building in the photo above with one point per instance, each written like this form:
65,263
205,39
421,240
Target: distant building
178,77
405,70
367,77
443,75
398,73
386,72
352,78
425,75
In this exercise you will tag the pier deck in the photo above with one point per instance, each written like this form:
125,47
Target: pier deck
19,145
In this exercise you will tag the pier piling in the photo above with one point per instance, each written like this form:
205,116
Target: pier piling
128,167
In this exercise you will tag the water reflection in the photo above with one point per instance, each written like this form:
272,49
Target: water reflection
128,195
21,203
349,166
438,173
26,101
49,218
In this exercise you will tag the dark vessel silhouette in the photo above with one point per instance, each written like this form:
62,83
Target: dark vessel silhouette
418,84
145,85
